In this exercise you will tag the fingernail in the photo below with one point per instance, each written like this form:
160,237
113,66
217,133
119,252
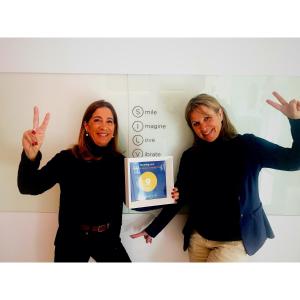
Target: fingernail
35,143
33,131
32,144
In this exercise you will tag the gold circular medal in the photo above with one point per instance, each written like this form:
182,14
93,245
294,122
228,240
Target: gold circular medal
148,181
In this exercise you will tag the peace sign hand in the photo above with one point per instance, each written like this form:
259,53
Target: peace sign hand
290,109
33,138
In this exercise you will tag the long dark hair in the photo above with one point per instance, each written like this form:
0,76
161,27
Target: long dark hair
81,150
228,131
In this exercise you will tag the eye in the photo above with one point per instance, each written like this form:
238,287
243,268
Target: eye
195,123
206,119
110,121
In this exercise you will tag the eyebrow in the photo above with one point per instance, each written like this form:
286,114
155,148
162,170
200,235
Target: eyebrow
206,115
109,118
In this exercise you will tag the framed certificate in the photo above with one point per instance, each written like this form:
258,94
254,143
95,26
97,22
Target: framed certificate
148,181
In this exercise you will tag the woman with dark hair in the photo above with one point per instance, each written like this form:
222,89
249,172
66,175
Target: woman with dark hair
91,179
218,179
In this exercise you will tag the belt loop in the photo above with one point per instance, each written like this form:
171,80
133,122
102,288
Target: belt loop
96,228
103,227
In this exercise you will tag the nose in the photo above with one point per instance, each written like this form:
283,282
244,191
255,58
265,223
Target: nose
103,126
203,127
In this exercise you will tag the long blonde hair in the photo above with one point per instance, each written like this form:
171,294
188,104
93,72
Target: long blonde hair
228,131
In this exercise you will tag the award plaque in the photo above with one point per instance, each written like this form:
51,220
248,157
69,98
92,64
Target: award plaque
148,181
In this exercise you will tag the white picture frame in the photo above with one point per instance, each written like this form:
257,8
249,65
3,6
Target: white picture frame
149,181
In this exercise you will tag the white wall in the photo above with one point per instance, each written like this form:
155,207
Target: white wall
152,56
29,236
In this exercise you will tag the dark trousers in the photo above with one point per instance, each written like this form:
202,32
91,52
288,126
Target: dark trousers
100,246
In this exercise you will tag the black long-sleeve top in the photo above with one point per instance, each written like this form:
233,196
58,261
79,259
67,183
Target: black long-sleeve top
91,192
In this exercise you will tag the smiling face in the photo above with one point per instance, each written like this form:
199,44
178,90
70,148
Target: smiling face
206,123
101,126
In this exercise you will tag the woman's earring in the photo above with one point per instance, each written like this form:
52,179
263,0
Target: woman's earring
86,133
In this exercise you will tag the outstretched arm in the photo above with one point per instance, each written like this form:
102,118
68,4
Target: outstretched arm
148,238
290,109
30,179
274,156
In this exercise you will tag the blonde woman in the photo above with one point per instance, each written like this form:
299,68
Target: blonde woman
218,179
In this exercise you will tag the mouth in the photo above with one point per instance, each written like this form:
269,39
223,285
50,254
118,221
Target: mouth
102,134
207,133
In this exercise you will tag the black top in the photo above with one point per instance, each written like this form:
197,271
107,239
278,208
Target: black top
209,181
211,176
92,192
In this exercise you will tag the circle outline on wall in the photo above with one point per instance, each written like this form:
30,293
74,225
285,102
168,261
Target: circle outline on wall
133,111
137,122
137,143
137,150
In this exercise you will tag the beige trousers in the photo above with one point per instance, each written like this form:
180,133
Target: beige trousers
203,250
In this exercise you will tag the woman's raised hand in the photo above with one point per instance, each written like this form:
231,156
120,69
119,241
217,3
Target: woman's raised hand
33,139
290,109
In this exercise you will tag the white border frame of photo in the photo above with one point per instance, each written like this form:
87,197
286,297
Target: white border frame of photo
149,202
